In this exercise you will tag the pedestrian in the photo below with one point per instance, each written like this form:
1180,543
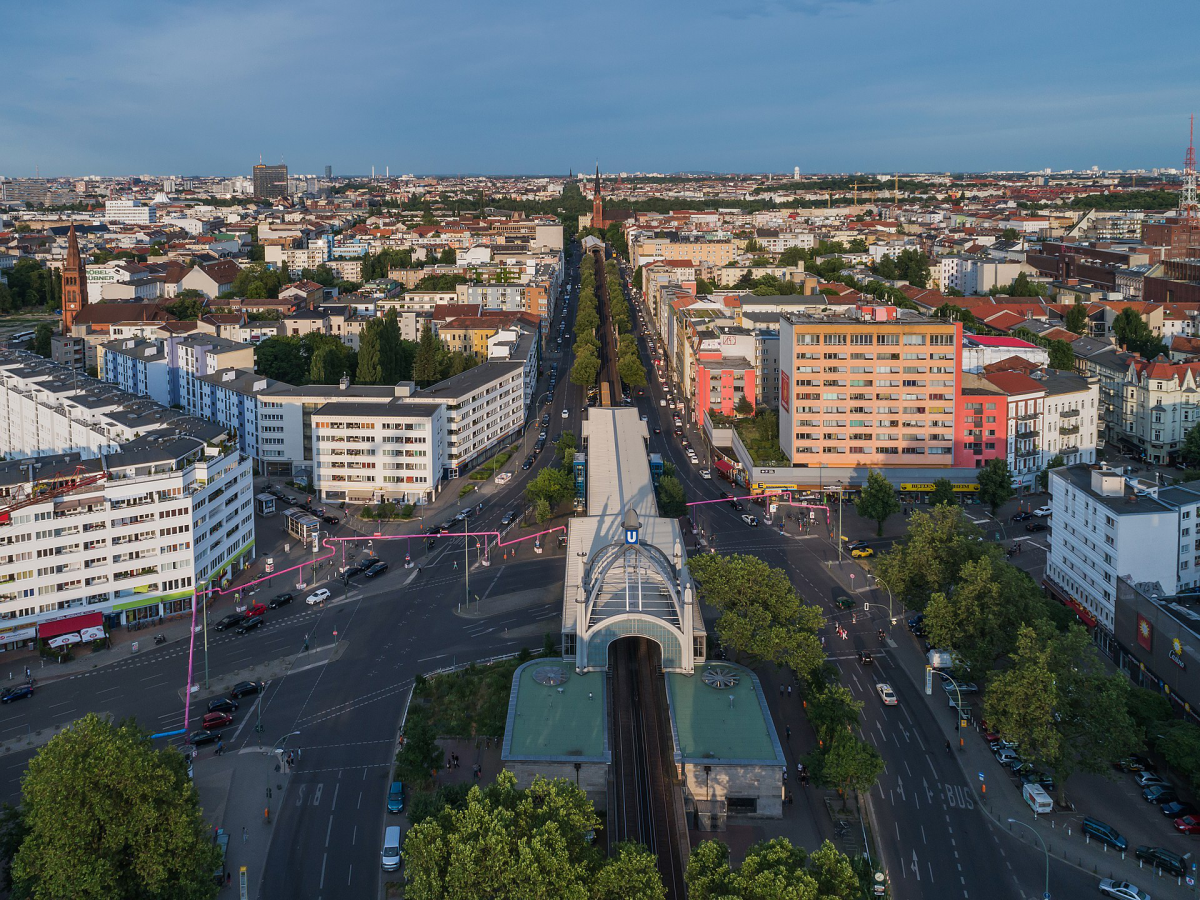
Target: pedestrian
245,835
822,642
228,879
785,776
789,691
787,730
781,690
449,763
791,798
27,672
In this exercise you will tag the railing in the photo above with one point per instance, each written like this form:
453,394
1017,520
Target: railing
1068,429
1069,413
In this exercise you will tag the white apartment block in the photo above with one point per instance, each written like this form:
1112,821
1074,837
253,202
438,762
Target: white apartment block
1160,403
130,212
163,517
975,275
297,258
485,409
369,452
138,366
1105,529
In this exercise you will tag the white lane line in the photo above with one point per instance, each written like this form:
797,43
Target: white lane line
324,857
333,805
329,830
350,874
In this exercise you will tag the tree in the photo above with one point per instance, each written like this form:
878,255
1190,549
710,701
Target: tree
850,764
389,348
282,358
1133,334
511,844
878,500
1044,476
426,362
1062,357
189,306
109,815
703,287
1022,287
743,407
585,368
1057,702
326,366
791,257
41,339
370,357
943,492
1010,234
912,265
760,612
631,370
831,710
671,500
1190,451
772,870
552,485
928,558
1076,319
995,483
448,257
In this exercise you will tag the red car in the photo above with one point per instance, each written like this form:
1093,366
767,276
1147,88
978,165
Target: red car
216,720
258,609
1188,824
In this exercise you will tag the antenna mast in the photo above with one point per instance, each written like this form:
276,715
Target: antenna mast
1187,198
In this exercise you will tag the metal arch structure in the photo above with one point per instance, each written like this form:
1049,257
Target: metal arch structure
634,590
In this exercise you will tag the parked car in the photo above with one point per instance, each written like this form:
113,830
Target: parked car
250,624
1042,511
215,720
1145,779
964,687
1161,858
229,621
1103,832
330,520
862,552
1134,763
245,689
222,704
200,738
1021,516
1005,757
20,692
317,596
1160,794
281,600
1178,809
258,609
886,694
395,797
1188,824
378,569
1035,527
706,474
1122,890
1044,781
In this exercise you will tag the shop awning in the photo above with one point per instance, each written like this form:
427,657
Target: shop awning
1084,616
723,466
73,623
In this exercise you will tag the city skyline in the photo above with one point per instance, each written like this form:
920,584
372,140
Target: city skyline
864,86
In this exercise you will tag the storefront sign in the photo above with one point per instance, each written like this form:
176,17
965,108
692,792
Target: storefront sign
1145,633
1176,654
12,635
927,487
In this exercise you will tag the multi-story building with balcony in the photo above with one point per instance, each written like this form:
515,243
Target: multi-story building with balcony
485,409
1160,404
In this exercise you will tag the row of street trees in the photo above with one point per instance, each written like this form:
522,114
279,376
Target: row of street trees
585,368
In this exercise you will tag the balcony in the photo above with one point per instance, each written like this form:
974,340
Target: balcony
1026,454
1068,429
1069,414
1027,433
1028,416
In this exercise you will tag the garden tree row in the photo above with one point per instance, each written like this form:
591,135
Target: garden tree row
585,368
554,484
432,362
909,265
775,870
1062,357
106,815
258,282
30,284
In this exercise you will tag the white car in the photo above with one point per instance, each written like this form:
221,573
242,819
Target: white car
752,521
706,475
566,413
1006,757
318,596
1122,890
1043,511
886,694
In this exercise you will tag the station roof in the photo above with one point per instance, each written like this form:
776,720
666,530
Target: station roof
566,721
722,725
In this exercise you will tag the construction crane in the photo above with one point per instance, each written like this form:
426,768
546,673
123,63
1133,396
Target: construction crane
42,489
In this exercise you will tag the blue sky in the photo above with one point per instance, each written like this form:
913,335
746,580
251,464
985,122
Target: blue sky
538,87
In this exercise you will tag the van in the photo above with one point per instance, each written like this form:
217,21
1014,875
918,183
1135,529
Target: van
391,848
1037,798
1103,833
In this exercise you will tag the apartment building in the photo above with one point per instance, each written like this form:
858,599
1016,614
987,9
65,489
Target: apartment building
140,367
973,275
1106,528
1159,405
130,212
644,250
370,452
485,409
876,388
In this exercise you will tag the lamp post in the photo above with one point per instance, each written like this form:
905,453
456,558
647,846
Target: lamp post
839,484
958,710
891,616
1045,851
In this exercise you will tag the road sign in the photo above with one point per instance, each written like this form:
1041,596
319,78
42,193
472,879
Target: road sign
928,680
981,776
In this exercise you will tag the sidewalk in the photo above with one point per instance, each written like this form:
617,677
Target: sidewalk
235,789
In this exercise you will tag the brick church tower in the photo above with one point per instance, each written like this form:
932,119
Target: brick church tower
74,283
597,203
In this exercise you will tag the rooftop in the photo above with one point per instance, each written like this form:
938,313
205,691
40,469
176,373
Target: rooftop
725,724
556,721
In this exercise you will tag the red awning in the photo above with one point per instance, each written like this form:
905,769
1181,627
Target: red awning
723,466
1086,617
65,626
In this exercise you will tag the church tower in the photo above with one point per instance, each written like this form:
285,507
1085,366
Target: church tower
597,203
74,283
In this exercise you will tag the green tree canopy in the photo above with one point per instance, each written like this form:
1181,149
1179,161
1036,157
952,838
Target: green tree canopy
1133,334
110,816
426,364
943,492
1189,452
849,764
585,368
1044,476
760,612
1062,357
41,339
995,483
928,558
283,358
1076,319
672,502
878,501
831,710
772,870
370,355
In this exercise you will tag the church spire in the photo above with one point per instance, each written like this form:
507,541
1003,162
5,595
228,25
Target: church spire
74,282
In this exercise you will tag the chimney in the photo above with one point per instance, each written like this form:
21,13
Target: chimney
343,382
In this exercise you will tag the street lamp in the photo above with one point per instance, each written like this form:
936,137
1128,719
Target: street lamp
891,616
1045,851
278,747
958,710
839,484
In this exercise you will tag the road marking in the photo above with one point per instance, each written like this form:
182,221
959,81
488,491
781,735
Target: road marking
354,833
428,658
323,858
333,805
924,840
350,874
329,830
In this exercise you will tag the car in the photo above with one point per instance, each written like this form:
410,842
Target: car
1005,757
1021,516
541,436
963,687
1035,527
844,602
1160,794
1145,779
508,518
222,704
20,692
736,504
378,569
214,720
281,600
1041,779
750,520
1161,858
658,430
330,520
318,596
1178,809
545,421
917,624
862,552
706,474
1042,511
200,738
1188,824
361,566
249,625
854,545
886,694
229,621
395,798
1122,890
245,689
528,462
1134,763
566,414
865,658
258,609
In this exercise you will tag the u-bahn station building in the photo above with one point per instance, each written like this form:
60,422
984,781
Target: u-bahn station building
627,579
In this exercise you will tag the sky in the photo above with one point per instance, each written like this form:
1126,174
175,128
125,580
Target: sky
529,87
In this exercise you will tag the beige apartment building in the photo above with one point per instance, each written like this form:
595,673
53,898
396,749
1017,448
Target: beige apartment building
715,253
873,388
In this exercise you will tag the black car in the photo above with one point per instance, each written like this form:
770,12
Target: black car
330,520
198,738
361,566
865,658
1021,516
1161,859
1036,526
281,600
1178,810
1135,763
249,625
229,621
222,704
545,420
1160,794
245,688
378,569
20,692
528,462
